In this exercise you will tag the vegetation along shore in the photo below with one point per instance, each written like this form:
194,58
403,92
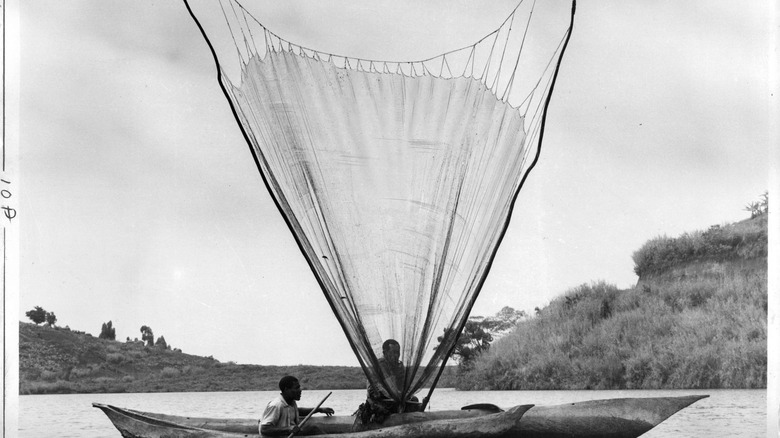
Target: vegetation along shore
697,318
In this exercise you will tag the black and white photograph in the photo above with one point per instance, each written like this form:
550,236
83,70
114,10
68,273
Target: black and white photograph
507,218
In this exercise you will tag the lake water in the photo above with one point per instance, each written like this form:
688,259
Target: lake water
726,413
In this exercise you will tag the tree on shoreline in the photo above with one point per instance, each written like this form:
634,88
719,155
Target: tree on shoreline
107,331
147,335
473,341
758,208
480,331
161,343
37,315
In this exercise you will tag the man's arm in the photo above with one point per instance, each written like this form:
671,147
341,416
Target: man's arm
302,412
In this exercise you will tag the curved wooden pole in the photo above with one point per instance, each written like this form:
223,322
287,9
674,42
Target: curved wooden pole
311,413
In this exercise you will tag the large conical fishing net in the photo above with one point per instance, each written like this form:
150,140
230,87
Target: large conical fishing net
397,179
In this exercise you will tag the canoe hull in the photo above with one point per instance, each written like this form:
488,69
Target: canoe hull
611,418
135,424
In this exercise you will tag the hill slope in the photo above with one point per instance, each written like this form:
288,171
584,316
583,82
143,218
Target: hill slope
696,319
56,360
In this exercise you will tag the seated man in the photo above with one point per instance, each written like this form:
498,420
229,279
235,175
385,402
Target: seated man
281,415
391,367
378,400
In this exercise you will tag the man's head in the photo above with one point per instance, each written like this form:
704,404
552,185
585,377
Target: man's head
290,387
391,350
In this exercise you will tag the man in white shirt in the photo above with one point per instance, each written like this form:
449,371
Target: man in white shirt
281,415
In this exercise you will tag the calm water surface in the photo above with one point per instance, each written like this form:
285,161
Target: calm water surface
726,413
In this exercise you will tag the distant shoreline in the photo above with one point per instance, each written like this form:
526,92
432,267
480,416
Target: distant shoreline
54,360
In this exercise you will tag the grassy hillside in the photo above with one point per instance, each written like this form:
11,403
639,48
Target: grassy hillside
696,319
735,243
55,360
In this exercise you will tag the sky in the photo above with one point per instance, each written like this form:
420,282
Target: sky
140,202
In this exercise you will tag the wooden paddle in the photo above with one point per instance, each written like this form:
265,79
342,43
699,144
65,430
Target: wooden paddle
300,425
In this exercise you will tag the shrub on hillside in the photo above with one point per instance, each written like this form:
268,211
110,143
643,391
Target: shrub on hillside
691,334
745,240
104,380
56,387
115,358
758,208
189,369
169,372
33,373
147,335
36,315
80,372
107,331
48,376
136,354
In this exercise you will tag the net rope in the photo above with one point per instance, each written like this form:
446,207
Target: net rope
397,178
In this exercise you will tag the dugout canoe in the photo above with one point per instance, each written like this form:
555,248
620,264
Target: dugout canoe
611,418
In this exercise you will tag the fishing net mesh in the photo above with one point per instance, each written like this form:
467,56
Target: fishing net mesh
397,179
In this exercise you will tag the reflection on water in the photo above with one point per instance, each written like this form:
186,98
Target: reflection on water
726,413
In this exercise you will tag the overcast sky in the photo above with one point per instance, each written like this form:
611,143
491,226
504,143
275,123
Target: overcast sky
142,205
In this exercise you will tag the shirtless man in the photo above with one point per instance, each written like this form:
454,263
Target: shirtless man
393,368
394,371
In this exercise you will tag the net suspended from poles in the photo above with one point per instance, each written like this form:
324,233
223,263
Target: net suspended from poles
397,178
